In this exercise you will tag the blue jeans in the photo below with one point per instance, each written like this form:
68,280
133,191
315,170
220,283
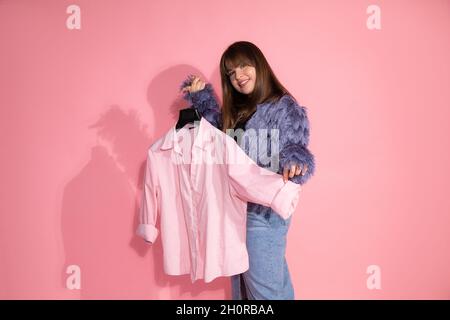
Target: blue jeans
268,276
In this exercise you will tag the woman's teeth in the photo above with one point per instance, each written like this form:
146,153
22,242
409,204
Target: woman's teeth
243,83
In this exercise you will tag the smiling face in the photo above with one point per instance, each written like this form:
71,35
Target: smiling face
242,78
247,80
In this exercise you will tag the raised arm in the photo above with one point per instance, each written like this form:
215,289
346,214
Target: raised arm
204,100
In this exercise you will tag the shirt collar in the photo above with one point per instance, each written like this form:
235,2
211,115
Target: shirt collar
203,133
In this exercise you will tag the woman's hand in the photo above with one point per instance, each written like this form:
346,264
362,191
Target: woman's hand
196,85
295,170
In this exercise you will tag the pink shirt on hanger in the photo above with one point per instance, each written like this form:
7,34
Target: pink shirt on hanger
197,183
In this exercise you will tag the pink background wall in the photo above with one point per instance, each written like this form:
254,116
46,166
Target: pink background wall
79,108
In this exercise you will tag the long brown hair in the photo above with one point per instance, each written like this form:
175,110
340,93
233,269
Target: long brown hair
235,105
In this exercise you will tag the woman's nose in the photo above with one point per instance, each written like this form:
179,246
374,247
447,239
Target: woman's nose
239,73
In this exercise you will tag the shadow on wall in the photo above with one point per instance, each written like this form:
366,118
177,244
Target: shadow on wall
101,204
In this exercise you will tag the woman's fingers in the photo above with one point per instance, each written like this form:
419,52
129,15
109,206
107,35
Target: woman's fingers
285,174
196,85
193,83
200,84
193,86
305,168
292,172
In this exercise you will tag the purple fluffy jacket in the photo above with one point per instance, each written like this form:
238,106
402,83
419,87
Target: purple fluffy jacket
285,115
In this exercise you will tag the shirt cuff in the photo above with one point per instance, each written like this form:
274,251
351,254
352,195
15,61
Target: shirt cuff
285,201
148,232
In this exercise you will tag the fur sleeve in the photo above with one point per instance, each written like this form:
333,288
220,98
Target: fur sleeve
205,102
293,125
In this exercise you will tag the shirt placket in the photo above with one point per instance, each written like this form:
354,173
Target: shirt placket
195,197
189,179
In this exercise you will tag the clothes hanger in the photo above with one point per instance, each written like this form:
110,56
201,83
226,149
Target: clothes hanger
186,116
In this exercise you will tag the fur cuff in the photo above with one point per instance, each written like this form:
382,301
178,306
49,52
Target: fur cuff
203,99
295,154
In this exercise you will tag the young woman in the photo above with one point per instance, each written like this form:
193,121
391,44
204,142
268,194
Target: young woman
253,98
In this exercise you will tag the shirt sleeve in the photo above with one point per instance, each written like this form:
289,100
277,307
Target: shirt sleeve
253,183
149,206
